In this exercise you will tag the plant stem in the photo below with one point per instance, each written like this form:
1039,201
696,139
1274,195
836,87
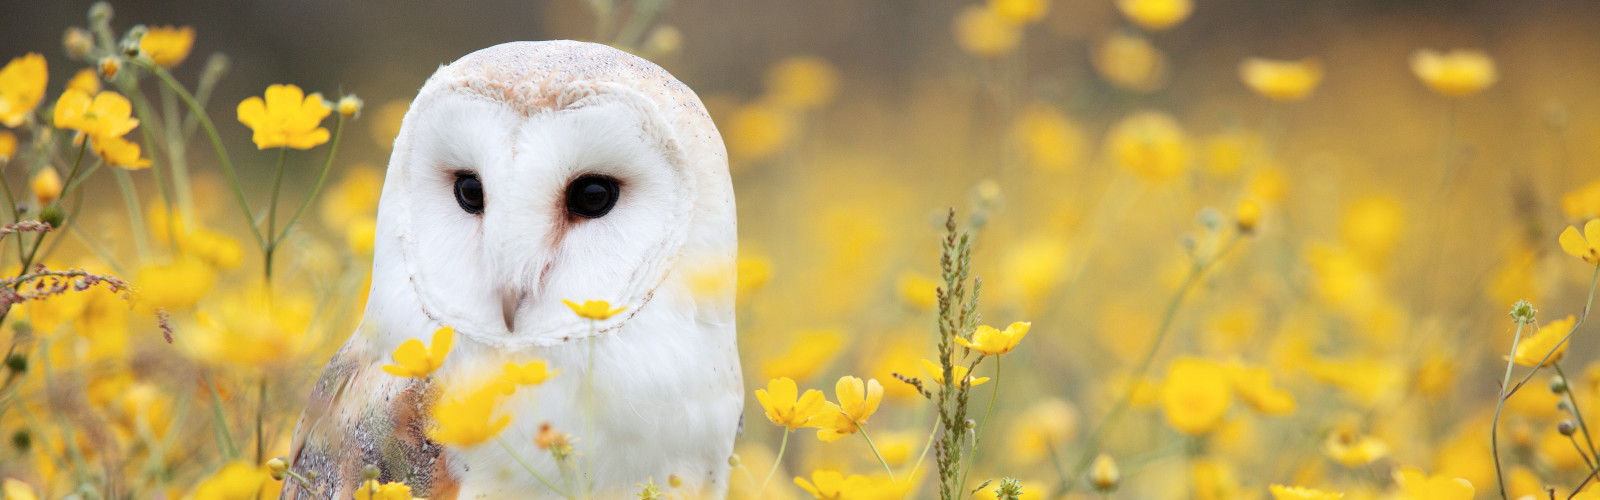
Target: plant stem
272,217
782,446
327,164
130,198
1573,399
925,447
977,438
875,453
1494,425
529,468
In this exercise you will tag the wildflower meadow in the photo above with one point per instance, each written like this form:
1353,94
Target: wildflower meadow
988,249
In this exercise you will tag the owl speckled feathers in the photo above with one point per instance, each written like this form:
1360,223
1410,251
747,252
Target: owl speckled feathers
524,174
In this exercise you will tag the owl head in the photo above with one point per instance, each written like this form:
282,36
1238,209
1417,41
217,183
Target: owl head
531,172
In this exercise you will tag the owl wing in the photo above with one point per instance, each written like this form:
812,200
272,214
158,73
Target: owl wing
358,415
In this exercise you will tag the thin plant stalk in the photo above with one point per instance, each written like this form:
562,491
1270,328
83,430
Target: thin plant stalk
875,453
272,216
978,438
1573,400
1494,425
130,198
529,468
782,446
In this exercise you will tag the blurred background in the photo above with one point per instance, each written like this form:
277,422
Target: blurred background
1108,155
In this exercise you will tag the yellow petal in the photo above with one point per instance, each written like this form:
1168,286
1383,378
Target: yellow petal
1591,232
411,354
443,339
1573,243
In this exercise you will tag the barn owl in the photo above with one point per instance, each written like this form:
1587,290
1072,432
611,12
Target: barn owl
524,174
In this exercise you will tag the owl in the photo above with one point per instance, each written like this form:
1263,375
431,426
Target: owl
524,174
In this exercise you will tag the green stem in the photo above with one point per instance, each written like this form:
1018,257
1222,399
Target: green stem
529,468
327,164
219,420
11,207
925,447
261,411
1494,425
1573,399
775,461
216,144
588,417
977,438
875,453
130,198
272,216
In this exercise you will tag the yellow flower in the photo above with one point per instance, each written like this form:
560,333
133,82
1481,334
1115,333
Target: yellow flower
1281,492
1548,341
983,32
174,286
810,352
1196,395
957,372
1352,449
1281,80
1129,61
371,490
992,342
802,82
783,408
759,130
251,327
1020,11
1149,144
414,360
386,124
593,309
1156,15
1248,214
354,197
1103,473
286,118
469,420
1372,226
167,46
104,118
753,273
46,185
1417,485
22,83
918,290
1254,386
349,105
8,146
1048,140
1041,429
86,80
533,373
857,402
1458,73
236,481
1582,203
18,490
1585,246
832,485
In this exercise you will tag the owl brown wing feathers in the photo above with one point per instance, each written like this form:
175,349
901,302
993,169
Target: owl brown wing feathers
359,415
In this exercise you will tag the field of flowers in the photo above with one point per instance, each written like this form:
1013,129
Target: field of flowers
1061,249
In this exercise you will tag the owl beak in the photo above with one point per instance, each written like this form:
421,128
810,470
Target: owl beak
510,301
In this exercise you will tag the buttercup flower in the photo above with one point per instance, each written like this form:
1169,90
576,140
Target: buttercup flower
783,408
22,83
983,32
1585,246
8,146
371,490
414,360
18,490
285,118
1549,338
1254,386
46,185
533,373
832,485
167,46
1129,61
803,82
104,119
1020,11
593,309
1248,214
236,481
1458,73
1149,144
1281,80
1103,473
1352,449
1417,485
85,80
957,372
857,402
1196,395
992,342
350,105
1156,15
1281,492
469,420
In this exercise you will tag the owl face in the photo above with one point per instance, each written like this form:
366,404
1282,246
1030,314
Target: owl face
509,206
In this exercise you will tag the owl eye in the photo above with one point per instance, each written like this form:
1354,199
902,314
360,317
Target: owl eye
469,193
592,196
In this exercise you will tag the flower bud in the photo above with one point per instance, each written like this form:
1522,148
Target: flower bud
674,480
1565,406
1558,384
349,105
1566,427
369,473
277,467
1523,312
1103,474
77,42
17,363
52,215
970,424
1247,214
734,461
46,185
22,441
100,13
109,67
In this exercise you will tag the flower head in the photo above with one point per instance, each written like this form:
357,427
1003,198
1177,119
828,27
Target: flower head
46,185
784,408
1281,80
1149,144
22,83
8,146
167,46
414,360
1254,386
993,342
832,485
1585,246
236,481
857,402
984,32
1196,395
593,309
350,105
803,82
1548,341
104,119
1281,492
86,80
1248,215
958,372
1156,15
1417,485
371,490
1103,473
17,490
1458,73
285,118
533,373
468,420
1353,449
